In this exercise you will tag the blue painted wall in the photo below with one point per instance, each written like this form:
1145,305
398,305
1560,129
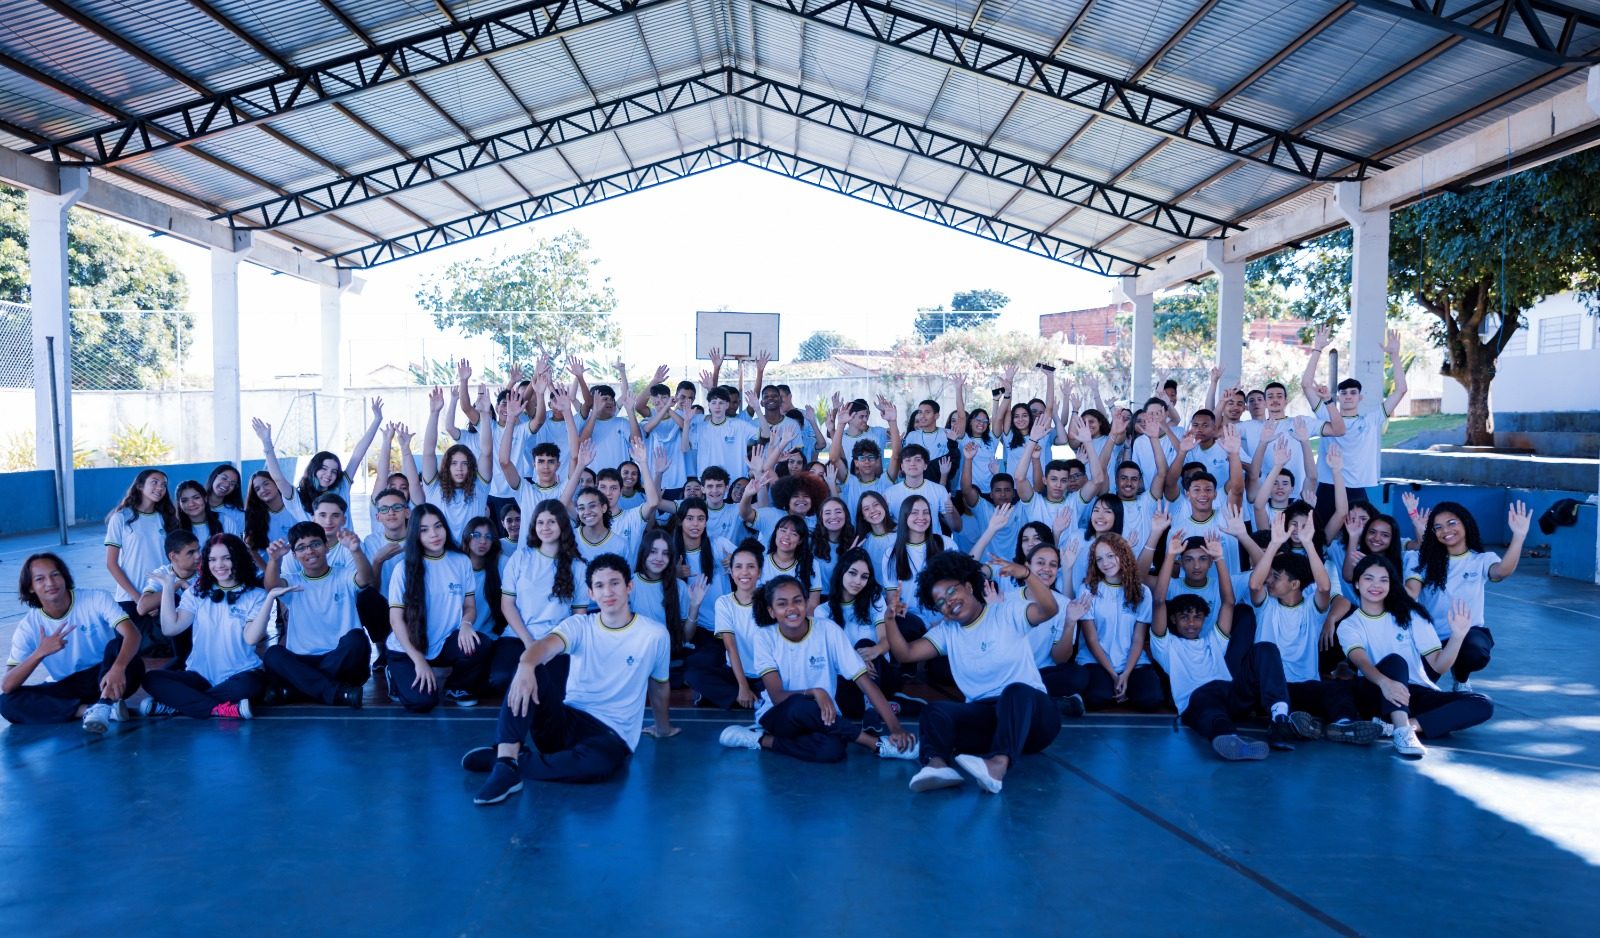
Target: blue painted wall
28,499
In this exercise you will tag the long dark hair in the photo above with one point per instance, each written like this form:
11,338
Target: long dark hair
1046,536
163,507
308,489
245,573
605,503
491,568
416,594
1015,437
1112,501
1393,554
1432,557
821,546
564,586
862,604
708,563
669,576
213,523
802,548
902,558
235,498
1397,602
257,516
863,526
988,431
447,485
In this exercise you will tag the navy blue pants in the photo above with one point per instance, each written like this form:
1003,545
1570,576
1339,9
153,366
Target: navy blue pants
797,730
1257,684
373,611
321,677
569,745
1020,721
707,672
852,702
466,671
1437,712
58,701
1099,691
503,662
1473,657
194,696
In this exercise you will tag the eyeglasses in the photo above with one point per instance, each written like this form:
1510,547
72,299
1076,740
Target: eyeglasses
1441,526
940,598
480,536
390,509
306,547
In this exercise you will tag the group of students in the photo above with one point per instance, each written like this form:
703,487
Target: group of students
573,542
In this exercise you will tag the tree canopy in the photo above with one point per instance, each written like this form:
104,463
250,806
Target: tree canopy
968,310
819,345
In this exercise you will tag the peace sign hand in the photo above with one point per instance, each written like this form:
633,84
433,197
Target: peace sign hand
52,642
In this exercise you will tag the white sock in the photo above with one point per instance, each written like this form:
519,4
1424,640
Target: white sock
1280,709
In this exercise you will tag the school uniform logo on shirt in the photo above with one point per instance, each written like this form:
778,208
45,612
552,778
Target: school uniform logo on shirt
816,661
984,646
630,659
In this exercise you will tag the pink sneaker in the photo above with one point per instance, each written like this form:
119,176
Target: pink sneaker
232,711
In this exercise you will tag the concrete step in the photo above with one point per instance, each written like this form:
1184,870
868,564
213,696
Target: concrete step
1568,474
1577,444
1580,421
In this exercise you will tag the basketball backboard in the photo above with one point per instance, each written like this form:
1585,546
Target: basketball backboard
739,335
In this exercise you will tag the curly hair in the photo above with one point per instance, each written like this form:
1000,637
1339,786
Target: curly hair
950,565
1127,569
1433,558
447,483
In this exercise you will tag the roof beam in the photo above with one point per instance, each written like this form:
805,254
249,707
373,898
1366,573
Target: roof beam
1532,38
1102,94
299,88
1532,130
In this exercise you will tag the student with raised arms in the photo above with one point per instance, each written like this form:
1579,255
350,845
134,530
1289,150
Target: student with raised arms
801,661
546,481
1006,713
718,440
622,662
432,606
459,489
324,651
82,642
324,473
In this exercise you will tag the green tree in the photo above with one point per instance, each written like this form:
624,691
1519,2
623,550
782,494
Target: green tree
1186,321
112,275
1474,261
817,346
540,301
968,309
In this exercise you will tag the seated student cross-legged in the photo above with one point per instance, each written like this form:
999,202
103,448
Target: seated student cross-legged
592,733
432,605
324,650
1007,712
801,661
82,641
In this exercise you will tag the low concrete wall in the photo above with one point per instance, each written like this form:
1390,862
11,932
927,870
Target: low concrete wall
1493,469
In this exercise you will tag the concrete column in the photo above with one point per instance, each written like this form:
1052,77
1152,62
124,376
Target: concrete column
226,413
1230,312
52,318
332,406
1144,318
1369,287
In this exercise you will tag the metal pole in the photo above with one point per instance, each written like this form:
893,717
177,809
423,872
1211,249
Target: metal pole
55,431
315,433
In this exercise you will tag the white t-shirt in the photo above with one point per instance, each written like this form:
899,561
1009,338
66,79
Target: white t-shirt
724,523
1210,592
383,574
1136,515
992,653
716,582
984,464
460,507
1380,636
1047,634
937,495
1465,579
279,522
612,669
1295,630
739,620
1005,540
854,488
94,616
857,629
232,520
448,582
1042,509
152,583
620,539
1362,444
1191,663
665,435
322,611
1215,460
220,650
767,519
142,537
771,570
1115,623
721,444
1145,456
817,660
610,440
529,579
649,598
877,547
889,576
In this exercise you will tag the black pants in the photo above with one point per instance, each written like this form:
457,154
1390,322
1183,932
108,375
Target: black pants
707,672
156,643
1257,684
373,611
58,701
1021,720
466,672
194,696
321,677
1099,690
1473,656
852,702
1331,700
1436,712
797,730
569,745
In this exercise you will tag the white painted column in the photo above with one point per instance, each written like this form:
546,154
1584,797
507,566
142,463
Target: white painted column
227,415
1369,288
332,406
1230,312
52,319
1144,305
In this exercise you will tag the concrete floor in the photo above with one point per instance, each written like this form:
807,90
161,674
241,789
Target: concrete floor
311,820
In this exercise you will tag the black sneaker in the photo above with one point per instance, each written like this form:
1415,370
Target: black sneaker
273,696
1071,706
909,706
461,698
1281,735
349,696
1358,732
480,759
1236,748
1305,725
504,781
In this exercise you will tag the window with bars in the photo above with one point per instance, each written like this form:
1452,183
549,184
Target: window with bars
1560,333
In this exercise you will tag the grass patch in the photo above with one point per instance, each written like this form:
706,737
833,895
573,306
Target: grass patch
1401,429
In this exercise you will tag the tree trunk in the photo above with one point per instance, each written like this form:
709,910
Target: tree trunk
1478,432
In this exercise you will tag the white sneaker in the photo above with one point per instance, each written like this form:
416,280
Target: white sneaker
97,719
1461,687
1407,744
930,778
119,712
887,750
979,770
149,708
1388,728
741,737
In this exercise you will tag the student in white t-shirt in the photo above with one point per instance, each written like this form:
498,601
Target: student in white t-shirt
704,555
657,592
324,650
542,585
1007,712
80,640
460,487
913,461
722,673
383,548
801,662
855,603
324,473
227,612
432,606
620,661
719,439
915,544
1451,565
136,533
183,563
1388,639
197,516
1361,439
1113,665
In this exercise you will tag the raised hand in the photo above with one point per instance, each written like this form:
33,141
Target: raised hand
377,409
1302,430
1391,344
1233,521
1068,550
1229,440
716,357
1280,452
562,403
1002,514
1519,519
463,369
1119,424
1335,458
705,380
1280,528
277,591
1078,608
1186,443
350,540
278,549
1160,520
585,453
404,433
1460,617
263,430
435,400
969,451
1321,338
763,358
944,467
575,366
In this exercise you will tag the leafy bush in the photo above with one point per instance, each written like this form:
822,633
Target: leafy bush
138,446
17,454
